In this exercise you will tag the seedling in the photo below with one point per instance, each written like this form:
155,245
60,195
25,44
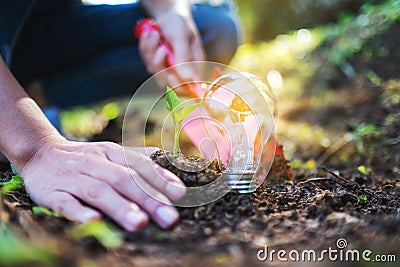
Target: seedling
15,251
289,182
38,210
178,113
364,170
362,198
102,231
14,184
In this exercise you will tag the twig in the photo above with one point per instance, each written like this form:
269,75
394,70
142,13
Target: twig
333,149
336,175
348,183
317,179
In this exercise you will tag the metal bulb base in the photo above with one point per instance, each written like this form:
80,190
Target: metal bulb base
244,183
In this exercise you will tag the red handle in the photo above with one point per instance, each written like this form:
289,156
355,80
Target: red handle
148,26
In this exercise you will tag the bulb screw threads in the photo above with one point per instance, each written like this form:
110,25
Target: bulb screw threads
244,183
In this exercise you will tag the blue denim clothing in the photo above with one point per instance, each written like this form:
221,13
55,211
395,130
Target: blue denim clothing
83,54
12,14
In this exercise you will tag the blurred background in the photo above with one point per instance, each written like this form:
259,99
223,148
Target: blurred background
333,65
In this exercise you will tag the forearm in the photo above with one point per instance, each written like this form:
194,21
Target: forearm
23,126
157,8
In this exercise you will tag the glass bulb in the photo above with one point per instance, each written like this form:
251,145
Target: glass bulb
242,108
233,122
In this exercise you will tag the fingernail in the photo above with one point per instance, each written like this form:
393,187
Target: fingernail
135,220
175,190
167,216
89,216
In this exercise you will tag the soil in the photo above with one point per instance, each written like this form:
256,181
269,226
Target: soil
314,210
187,168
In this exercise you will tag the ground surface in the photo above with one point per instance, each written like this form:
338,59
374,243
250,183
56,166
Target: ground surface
319,207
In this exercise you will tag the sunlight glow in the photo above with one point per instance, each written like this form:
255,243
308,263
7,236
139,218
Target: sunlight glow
304,36
275,79
280,47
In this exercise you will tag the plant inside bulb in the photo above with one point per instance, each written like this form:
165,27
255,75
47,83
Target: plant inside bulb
238,103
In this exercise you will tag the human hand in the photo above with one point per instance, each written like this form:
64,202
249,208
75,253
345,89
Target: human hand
179,31
80,180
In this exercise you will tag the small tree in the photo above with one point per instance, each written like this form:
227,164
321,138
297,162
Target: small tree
178,113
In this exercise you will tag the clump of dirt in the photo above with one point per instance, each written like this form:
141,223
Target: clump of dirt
198,171
193,170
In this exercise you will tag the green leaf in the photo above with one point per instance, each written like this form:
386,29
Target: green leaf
310,164
364,170
14,184
289,182
296,164
362,198
374,78
365,129
15,251
172,99
37,210
186,110
111,111
176,116
102,231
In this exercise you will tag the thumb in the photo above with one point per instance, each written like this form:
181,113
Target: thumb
182,54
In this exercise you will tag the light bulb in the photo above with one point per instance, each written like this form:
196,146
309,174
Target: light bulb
234,122
242,108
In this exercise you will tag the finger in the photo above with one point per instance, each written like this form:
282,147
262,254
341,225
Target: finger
117,172
147,197
158,60
162,179
148,44
181,48
182,54
148,151
70,207
151,200
103,197
138,190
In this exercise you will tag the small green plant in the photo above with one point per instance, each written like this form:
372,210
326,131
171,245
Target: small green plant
362,198
364,170
102,231
178,113
14,184
362,137
38,210
310,165
15,251
289,182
